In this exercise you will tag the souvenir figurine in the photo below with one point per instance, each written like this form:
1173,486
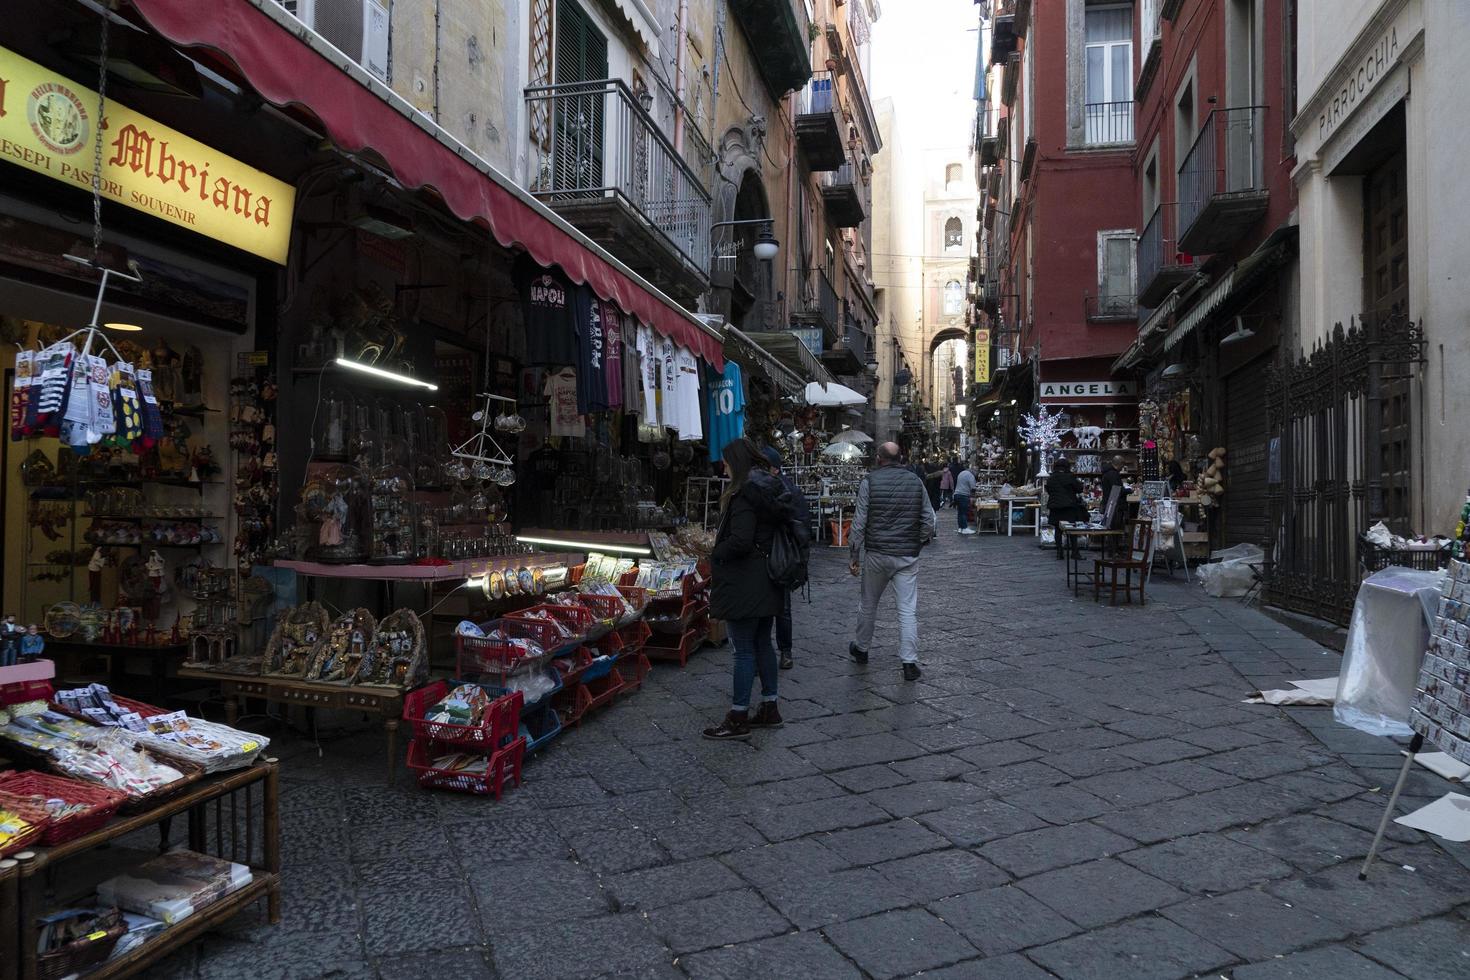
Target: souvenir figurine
33,644
11,636
95,564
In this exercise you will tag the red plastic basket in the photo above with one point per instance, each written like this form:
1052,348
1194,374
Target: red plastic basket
574,703
679,651
581,659
635,668
127,704
610,609
504,763
102,802
483,655
20,692
610,645
578,619
635,635
33,813
636,595
496,728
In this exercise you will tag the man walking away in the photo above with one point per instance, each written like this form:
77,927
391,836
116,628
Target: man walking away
964,488
893,522
1112,478
801,513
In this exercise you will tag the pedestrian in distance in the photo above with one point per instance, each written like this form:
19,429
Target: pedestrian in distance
893,522
964,489
752,510
1112,479
946,487
801,515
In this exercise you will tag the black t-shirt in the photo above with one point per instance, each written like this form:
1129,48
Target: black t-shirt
547,310
591,351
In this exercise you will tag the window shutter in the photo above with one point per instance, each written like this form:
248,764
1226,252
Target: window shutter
581,56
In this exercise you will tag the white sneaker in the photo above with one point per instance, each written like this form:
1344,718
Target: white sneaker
968,530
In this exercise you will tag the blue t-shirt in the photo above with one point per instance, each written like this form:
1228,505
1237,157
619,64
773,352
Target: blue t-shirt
726,409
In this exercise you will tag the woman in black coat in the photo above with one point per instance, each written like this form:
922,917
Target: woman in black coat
753,507
1064,493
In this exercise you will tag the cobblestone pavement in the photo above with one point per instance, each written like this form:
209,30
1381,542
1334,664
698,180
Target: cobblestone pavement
1070,790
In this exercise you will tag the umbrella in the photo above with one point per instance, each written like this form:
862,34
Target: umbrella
854,436
834,396
843,450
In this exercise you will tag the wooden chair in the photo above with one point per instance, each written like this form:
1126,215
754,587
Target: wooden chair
1136,558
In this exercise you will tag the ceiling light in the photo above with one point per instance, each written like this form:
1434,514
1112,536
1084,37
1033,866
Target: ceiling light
124,327
1175,370
1238,334
622,549
388,375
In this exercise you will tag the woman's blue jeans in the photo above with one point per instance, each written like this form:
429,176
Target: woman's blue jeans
754,653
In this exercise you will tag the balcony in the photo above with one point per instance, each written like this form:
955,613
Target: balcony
599,160
779,43
1162,267
819,131
1009,78
848,354
1110,309
1003,37
842,193
1107,123
1222,192
818,304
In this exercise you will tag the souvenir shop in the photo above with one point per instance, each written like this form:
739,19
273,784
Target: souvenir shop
316,469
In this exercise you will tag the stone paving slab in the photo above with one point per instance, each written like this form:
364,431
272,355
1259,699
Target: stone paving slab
1072,791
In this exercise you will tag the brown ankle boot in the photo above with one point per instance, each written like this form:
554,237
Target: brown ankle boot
767,715
735,726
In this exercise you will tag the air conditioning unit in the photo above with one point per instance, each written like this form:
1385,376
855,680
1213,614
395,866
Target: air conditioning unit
357,28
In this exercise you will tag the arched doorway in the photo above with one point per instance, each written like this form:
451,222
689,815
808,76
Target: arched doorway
948,360
741,285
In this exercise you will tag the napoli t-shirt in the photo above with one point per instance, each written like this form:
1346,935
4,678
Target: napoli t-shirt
726,409
612,353
650,374
546,309
591,349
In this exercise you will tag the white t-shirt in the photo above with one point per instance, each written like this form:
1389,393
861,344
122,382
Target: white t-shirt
561,390
686,395
649,375
668,385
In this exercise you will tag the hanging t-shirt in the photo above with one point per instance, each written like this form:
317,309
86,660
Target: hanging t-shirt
591,351
668,383
686,395
612,354
630,365
561,391
726,409
546,310
650,374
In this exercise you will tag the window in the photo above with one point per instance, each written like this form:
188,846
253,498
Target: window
953,174
1108,113
954,234
1184,121
1151,183
954,298
1115,278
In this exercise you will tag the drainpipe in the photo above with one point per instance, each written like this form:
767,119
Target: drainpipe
681,56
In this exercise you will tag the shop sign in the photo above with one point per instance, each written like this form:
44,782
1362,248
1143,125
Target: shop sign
48,124
811,337
1073,391
982,357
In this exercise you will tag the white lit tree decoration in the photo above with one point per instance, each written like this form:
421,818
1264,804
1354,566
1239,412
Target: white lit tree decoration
1043,433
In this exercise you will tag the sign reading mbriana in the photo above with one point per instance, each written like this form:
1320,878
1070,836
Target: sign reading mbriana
1068,391
47,124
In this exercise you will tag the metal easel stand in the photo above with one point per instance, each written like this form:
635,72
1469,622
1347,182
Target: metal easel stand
1415,744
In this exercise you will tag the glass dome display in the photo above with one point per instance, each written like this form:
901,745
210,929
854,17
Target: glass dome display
334,425
392,521
342,516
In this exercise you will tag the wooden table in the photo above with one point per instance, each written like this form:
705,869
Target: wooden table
31,885
1072,551
384,701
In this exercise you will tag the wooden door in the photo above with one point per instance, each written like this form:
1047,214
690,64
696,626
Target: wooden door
1386,281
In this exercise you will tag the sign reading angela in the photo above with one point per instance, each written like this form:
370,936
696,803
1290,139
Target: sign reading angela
1074,391
48,124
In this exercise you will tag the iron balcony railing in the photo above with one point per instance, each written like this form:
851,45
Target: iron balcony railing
1161,263
823,302
1224,159
593,140
1151,249
818,95
1110,307
1107,122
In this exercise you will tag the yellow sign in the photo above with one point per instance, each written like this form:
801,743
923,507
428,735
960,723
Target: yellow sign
982,357
48,124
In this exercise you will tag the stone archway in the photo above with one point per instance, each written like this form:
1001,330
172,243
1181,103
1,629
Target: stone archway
741,286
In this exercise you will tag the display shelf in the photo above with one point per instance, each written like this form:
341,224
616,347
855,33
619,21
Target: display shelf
36,881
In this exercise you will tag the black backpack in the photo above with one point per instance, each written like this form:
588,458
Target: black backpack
790,555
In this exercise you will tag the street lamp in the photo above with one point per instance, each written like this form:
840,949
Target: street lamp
766,246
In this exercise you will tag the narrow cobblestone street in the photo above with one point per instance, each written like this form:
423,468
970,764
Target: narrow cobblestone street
1070,790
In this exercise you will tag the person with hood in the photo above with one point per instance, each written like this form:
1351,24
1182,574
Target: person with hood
946,486
801,514
1064,498
753,507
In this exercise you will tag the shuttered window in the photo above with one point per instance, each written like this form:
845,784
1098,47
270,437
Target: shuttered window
581,56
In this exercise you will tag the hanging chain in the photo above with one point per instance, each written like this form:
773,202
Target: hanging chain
97,145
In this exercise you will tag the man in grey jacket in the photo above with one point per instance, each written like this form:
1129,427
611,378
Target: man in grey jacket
893,522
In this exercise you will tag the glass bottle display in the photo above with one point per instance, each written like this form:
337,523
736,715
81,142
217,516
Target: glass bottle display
344,510
392,522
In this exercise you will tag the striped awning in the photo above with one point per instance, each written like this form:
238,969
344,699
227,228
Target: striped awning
1241,276
748,353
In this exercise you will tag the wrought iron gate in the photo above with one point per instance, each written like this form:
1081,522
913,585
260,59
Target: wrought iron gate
1339,459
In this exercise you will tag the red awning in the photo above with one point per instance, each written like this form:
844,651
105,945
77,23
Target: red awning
360,116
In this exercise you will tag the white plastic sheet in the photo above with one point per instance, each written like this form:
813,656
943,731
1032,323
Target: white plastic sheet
1232,575
1386,641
